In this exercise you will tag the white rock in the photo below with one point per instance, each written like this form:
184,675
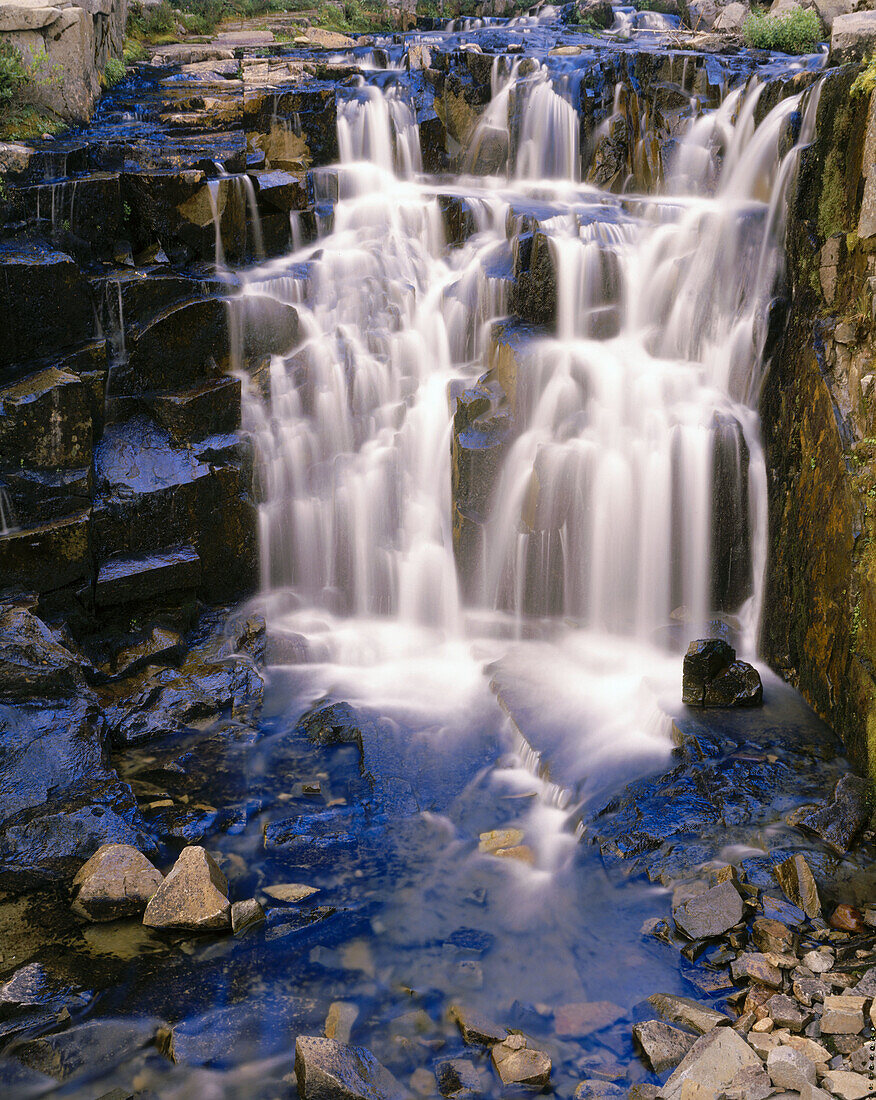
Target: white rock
848,1086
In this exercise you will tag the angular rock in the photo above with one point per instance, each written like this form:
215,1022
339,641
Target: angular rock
846,918
847,1085
519,1064
32,661
738,685
290,892
245,914
704,659
798,884
476,1029
785,1012
336,724
585,1018
772,935
709,914
45,421
193,897
691,1014
340,1021
596,1089
458,1077
840,822
663,1046
117,881
712,1063
328,1070
853,37
756,968
819,962
843,1015
789,1069
97,1046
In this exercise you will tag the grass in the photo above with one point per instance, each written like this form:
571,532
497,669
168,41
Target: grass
799,31
13,74
114,72
20,120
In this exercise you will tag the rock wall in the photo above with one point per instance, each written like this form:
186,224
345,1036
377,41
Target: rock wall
819,422
66,45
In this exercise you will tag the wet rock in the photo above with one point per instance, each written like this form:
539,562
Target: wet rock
712,1063
476,1029
32,661
738,685
206,408
46,421
139,578
281,190
496,839
703,661
798,884
227,1036
842,821
709,914
328,1070
93,1047
340,1021
458,1078
160,647
843,1015
691,1014
336,724
846,918
34,986
519,1064
48,559
117,881
290,892
663,1046
193,896
789,1069
596,1089
246,914
585,1018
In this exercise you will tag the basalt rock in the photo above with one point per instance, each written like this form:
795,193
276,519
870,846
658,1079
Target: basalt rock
844,818
713,677
32,661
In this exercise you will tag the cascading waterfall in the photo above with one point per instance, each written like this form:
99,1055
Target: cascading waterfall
629,423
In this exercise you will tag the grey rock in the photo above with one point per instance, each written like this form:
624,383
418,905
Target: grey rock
595,1089
476,1029
757,968
193,897
95,1046
785,1012
713,1062
118,881
459,1078
790,1069
843,1015
750,1083
32,662
709,914
328,1070
844,818
246,914
687,1012
519,1064
663,1046
866,987
847,1085
704,659
853,37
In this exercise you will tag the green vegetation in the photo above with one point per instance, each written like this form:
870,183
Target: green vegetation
662,7
114,72
19,119
158,25
133,51
865,81
799,31
351,17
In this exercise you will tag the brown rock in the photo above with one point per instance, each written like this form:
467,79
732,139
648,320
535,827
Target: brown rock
585,1018
798,884
846,918
193,897
118,881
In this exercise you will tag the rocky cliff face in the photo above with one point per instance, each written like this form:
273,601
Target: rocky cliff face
819,421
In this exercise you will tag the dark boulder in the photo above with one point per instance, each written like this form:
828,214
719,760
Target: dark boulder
32,661
336,724
841,821
703,661
738,685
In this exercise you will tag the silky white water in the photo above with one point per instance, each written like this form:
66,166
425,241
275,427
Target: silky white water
600,537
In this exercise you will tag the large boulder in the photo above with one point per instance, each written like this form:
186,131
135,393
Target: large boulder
712,677
32,661
844,818
853,37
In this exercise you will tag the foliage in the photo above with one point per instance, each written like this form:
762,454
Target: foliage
865,81
13,73
133,51
662,7
354,17
28,122
147,24
799,31
114,71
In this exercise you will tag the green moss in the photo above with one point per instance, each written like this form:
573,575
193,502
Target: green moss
865,81
28,122
799,31
832,203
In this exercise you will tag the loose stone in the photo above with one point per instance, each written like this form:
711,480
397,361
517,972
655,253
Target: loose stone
327,1070
709,914
756,968
585,1018
712,1063
847,1085
786,1013
663,1046
245,914
193,897
340,1021
790,1069
519,1064
459,1078
118,881
843,1015
772,935
687,1013
476,1029
798,884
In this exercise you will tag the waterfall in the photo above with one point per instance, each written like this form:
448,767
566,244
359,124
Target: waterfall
629,494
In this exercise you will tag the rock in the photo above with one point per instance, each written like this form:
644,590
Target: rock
841,822
46,421
497,839
290,892
843,1015
819,962
785,1012
772,935
852,38
691,1014
789,1069
597,1089
703,661
117,881
476,1029
848,1086
585,1018
846,918
137,578
866,987
225,1037
328,1070
756,968
749,1084
340,1021
738,685
193,897
815,1052
810,1092
519,1064
95,1046
458,1077
712,1063
33,986
246,914
709,914
732,18
336,724
798,884
663,1046
32,661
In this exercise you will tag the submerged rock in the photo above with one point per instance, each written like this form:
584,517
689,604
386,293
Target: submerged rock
328,1070
477,1030
688,1013
118,881
246,914
92,1047
458,1078
193,897
519,1064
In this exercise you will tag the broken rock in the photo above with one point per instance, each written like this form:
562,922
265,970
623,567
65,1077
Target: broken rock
118,881
193,897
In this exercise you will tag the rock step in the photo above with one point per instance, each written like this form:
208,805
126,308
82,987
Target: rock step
142,577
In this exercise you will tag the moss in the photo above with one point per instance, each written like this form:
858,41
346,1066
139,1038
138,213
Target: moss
865,81
832,203
26,123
